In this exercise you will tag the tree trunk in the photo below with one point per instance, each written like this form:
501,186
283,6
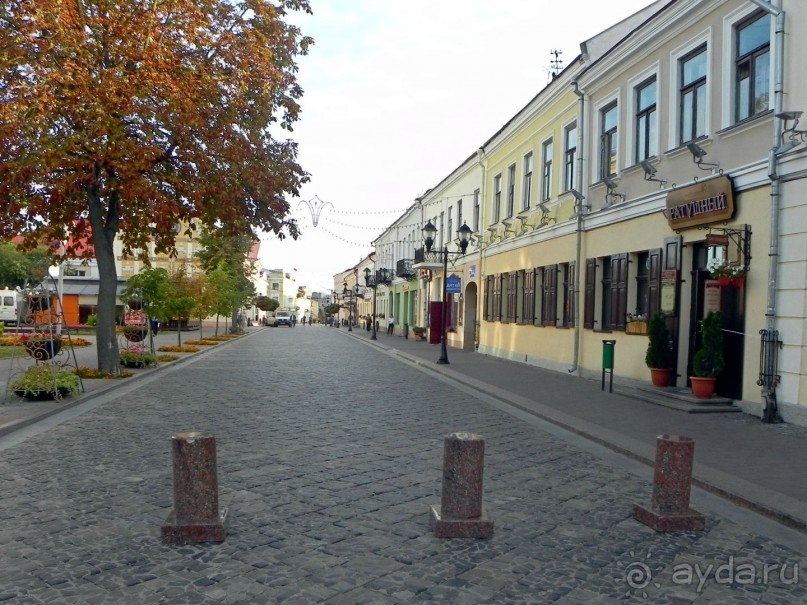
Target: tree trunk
103,237
217,323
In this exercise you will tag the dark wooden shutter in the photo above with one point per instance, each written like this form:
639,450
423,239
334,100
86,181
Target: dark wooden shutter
550,307
528,312
590,292
653,281
619,292
570,302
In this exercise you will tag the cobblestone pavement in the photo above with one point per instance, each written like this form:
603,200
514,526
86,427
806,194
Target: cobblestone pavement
329,455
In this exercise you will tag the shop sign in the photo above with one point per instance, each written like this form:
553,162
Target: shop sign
667,298
453,284
711,297
706,202
472,271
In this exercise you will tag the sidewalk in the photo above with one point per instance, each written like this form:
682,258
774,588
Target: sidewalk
755,465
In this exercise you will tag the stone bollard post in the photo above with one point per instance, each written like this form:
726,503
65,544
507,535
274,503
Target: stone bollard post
672,481
196,516
461,514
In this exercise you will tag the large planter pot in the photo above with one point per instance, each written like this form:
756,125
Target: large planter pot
660,376
42,350
702,388
42,395
135,333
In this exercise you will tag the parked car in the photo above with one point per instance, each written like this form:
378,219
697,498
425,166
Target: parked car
282,318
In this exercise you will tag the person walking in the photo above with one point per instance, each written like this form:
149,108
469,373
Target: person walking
391,325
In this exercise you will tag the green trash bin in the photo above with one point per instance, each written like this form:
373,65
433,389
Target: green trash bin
608,354
608,362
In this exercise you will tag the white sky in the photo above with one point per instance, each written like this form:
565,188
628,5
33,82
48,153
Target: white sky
394,102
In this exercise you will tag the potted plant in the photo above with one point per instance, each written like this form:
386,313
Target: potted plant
136,357
135,332
420,332
708,362
45,382
659,354
42,345
727,274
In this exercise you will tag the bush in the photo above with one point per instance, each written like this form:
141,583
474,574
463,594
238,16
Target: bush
45,379
659,354
92,320
708,361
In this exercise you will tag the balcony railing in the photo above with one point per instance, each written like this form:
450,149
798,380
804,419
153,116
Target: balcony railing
404,269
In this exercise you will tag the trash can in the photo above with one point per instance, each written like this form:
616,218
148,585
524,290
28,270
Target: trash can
608,354
608,347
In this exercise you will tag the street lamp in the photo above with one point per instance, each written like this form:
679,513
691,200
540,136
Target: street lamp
371,283
350,296
464,234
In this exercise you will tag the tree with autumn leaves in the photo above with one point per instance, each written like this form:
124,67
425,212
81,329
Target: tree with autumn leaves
124,119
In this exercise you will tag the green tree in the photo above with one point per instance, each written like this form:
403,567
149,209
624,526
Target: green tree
121,119
230,254
223,295
180,302
20,268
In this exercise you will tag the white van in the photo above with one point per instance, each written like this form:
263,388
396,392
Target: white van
8,306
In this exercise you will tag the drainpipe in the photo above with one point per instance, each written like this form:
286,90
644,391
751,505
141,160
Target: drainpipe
579,232
771,414
480,298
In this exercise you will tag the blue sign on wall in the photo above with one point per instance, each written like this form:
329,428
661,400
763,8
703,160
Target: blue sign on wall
453,284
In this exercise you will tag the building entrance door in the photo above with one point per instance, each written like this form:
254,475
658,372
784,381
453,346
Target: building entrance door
708,295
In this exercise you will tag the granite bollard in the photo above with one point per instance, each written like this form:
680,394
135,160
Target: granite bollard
461,514
672,483
196,516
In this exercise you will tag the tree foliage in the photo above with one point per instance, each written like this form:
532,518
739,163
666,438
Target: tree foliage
121,119
18,268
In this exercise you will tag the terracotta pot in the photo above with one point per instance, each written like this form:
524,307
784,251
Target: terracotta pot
702,388
660,376
738,282
724,280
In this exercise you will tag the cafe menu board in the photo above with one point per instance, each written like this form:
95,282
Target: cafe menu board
668,282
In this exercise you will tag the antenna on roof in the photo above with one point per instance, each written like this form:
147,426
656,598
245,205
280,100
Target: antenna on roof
555,63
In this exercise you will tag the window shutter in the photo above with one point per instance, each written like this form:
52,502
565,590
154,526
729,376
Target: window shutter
590,290
653,281
619,291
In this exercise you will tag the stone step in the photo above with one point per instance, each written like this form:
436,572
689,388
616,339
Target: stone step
680,399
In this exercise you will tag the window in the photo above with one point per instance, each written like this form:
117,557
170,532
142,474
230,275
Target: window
646,118
608,140
549,308
476,210
546,172
441,226
497,198
511,190
569,159
693,95
752,66
459,213
450,231
526,193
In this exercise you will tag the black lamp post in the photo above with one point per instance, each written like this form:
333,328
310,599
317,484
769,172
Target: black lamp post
347,295
464,234
371,283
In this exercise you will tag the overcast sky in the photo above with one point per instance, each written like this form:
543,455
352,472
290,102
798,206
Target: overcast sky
399,94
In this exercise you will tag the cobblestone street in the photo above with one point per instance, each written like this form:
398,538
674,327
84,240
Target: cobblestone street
329,456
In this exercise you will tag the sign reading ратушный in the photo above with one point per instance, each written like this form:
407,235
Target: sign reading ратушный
709,201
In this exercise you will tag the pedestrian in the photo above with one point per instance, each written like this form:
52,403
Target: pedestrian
155,326
303,321
293,320
391,325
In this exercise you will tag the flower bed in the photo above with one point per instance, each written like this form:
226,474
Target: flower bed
176,349
205,342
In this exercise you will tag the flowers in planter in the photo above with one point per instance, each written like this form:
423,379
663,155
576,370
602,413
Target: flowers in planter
726,273
136,356
39,336
45,382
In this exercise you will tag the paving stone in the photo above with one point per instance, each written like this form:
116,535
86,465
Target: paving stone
328,479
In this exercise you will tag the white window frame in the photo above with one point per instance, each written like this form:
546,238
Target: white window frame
730,21
594,144
545,194
565,187
705,37
528,165
630,124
